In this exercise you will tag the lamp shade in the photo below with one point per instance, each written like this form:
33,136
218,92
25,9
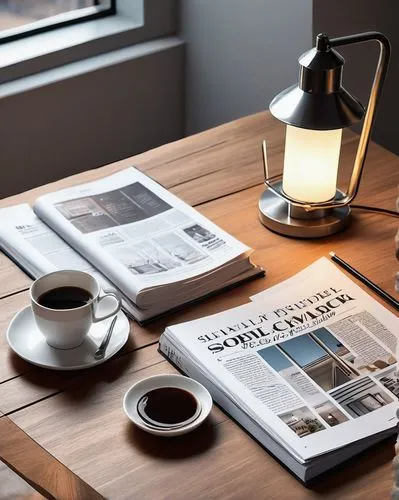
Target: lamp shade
311,164
301,109
318,102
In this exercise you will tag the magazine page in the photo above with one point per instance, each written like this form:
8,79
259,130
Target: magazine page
314,366
26,238
38,249
145,230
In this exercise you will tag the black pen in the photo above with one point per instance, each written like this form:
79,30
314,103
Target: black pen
379,291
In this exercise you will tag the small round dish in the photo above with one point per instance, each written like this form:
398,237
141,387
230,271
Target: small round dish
139,389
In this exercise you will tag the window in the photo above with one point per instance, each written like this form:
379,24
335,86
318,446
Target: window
48,48
19,18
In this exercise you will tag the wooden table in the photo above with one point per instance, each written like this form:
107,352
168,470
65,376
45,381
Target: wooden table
67,434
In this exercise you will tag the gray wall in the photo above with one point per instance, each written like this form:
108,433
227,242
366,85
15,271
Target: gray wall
97,110
343,17
126,103
239,54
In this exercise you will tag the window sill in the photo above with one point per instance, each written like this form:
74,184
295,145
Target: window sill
78,68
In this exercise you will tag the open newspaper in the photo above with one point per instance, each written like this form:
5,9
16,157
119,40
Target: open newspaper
134,235
308,368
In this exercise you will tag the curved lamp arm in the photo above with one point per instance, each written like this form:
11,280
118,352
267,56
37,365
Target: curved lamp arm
375,94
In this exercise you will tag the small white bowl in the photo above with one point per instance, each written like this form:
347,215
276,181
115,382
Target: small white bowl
140,388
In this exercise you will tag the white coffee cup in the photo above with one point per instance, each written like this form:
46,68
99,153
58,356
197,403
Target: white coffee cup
67,328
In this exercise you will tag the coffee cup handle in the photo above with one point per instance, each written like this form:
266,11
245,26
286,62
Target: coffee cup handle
108,296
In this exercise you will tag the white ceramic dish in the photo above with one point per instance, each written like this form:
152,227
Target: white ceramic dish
26,340
138,390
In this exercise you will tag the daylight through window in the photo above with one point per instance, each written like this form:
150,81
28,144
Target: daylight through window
19,18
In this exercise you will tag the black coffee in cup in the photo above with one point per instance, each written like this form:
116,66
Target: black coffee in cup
65,297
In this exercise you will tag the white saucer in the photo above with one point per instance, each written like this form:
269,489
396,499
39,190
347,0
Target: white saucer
26,340
135,393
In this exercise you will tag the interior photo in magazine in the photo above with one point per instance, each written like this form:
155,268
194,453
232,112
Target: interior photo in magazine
114,208
327,361
302,421
318,366
361,397
389,378
323,406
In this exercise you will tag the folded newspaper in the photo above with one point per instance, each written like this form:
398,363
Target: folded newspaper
308,368
134,236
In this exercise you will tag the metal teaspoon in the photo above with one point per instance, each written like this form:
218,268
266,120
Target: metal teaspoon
99,354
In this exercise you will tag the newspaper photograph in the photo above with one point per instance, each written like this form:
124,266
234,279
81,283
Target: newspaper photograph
150,232
309,356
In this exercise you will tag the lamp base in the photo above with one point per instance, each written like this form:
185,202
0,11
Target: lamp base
274,214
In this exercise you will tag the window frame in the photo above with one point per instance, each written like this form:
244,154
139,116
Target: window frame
58,21
135,21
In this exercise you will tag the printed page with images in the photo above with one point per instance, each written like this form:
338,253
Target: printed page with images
314,363
39,250
128,222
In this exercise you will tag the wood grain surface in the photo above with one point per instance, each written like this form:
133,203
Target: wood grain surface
45,475
219,171
14,487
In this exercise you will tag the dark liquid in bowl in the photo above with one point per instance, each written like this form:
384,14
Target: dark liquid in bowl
167,405
65,297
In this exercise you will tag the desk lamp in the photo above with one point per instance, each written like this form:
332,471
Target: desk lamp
307,204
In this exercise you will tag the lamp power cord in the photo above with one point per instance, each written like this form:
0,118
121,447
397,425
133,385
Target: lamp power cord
378,210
